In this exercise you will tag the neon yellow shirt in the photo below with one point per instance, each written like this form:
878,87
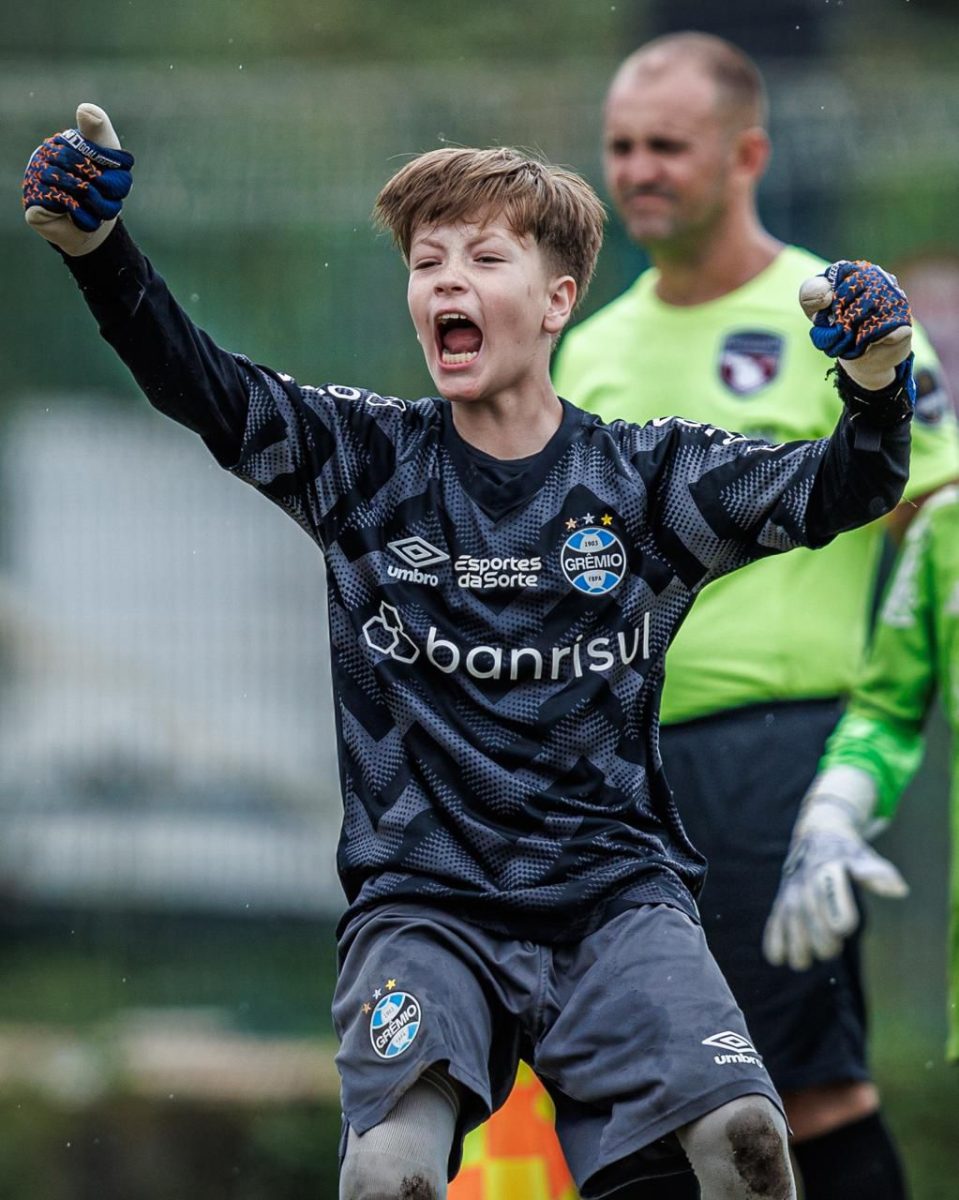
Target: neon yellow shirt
793,626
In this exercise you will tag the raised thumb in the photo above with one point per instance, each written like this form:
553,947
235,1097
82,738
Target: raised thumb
97,127
876,873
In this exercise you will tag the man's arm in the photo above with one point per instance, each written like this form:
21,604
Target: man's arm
881,732
870,757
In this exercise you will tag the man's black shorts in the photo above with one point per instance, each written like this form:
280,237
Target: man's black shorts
738,779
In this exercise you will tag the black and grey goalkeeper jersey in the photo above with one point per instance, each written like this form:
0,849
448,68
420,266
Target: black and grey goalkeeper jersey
497,643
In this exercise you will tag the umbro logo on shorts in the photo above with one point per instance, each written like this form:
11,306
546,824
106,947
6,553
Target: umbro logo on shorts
738,1049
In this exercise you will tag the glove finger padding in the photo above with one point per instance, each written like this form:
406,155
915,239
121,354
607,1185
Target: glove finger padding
66,168
861,316
797,945
774,937
867,305
785,941
93,202
832,909
73,186
96,126
798,930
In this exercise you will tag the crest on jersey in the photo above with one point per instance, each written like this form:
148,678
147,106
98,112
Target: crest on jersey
394,1024
933,401
749,360
593,560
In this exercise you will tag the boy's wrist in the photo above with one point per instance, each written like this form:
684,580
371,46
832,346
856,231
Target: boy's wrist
884,408
113,271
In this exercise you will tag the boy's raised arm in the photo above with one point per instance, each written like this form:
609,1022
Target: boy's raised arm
721,500
73,192
861,318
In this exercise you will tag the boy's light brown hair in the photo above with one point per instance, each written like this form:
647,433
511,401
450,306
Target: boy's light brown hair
556,207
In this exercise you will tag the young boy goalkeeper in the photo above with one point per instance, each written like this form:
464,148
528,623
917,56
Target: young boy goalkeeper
505,574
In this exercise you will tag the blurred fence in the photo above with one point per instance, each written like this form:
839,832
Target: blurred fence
165,728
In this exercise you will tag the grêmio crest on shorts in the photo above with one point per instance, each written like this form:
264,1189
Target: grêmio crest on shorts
497,643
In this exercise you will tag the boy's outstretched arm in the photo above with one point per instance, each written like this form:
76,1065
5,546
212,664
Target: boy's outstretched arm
861,318
73,192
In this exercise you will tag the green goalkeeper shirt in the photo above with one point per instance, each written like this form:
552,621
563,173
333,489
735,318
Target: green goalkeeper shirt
914,654
787,628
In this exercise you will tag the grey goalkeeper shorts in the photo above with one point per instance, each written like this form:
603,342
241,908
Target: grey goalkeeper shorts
632,1030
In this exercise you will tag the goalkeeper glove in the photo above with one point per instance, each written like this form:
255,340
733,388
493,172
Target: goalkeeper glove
815,909
861,316
75,183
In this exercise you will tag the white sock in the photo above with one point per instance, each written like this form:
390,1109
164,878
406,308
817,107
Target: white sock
408,1152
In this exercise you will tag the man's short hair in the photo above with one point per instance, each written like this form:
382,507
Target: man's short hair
556,207
741,90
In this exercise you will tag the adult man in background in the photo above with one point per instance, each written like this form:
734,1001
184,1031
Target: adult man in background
756,674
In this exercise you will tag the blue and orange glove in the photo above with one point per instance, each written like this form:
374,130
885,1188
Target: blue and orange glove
861,317
75,183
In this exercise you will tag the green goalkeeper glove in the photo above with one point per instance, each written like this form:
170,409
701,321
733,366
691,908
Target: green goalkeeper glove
815,908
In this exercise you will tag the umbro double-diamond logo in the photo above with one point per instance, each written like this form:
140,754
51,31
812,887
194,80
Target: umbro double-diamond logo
417,552
737,1049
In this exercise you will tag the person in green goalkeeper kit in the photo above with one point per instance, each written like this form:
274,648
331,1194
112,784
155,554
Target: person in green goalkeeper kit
874,752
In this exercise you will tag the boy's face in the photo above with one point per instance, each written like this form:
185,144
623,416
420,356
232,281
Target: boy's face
486,307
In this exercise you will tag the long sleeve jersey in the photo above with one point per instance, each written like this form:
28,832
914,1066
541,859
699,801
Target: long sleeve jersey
497,643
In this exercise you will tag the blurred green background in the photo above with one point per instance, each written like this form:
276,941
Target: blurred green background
167,785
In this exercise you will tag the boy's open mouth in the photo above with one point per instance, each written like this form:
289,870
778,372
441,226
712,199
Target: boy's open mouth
459,339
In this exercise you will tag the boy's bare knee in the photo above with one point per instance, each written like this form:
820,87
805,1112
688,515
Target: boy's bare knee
759,1153
739,1149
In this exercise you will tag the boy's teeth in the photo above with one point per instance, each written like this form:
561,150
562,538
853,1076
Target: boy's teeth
453,359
